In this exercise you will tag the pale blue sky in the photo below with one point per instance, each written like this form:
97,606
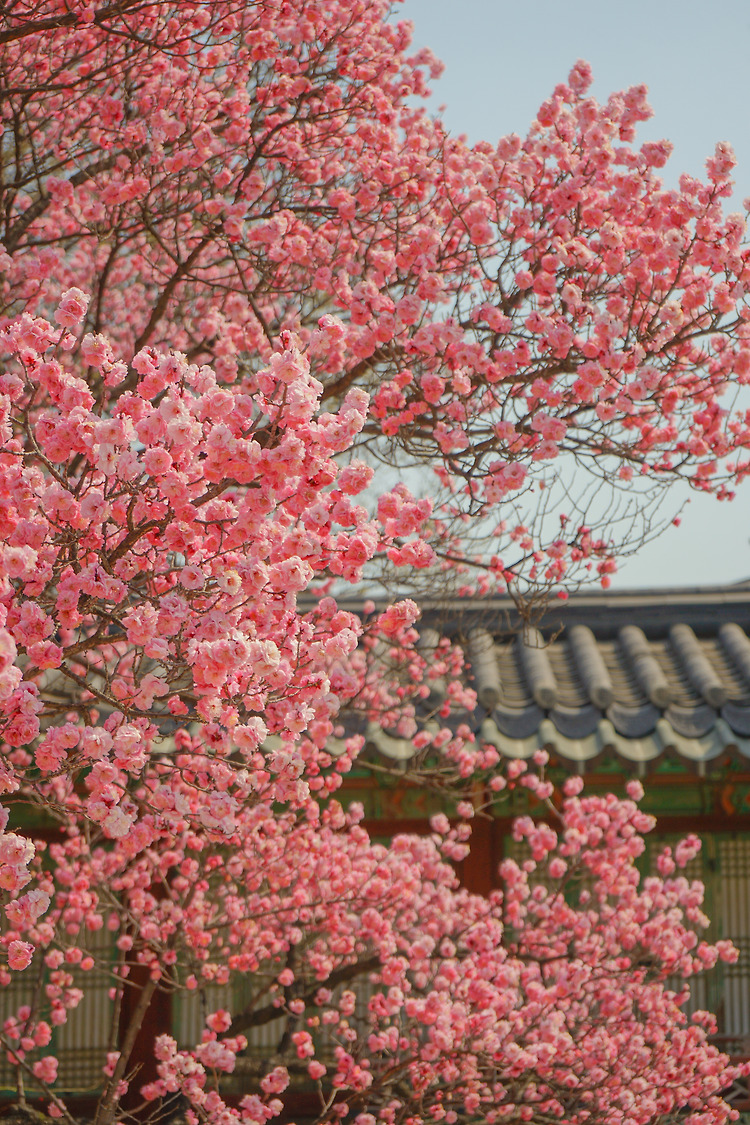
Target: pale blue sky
502,59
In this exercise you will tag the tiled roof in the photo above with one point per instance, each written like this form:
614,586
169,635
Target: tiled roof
638,674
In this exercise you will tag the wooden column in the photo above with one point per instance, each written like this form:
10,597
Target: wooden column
157,1021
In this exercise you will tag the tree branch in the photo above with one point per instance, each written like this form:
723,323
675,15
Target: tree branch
270,1012
70,19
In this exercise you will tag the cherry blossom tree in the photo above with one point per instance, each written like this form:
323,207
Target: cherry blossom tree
241,270
213,175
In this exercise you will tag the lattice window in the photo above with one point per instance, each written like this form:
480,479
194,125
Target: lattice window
732,903
705,989
81,1044
723,865
191,1008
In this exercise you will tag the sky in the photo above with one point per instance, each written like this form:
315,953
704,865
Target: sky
502,59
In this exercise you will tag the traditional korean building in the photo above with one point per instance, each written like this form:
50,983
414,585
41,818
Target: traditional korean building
648,684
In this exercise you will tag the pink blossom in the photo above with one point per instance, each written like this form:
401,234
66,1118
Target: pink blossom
116,824
157,461
276,1081
192,577
72,308
20,954
398,616
220,1020
23,912
45,1069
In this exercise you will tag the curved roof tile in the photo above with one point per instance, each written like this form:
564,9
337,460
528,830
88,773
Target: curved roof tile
591,667
605,738
633,722
481,652
532,649
649,685
646,668
576,722
691,722
737,647
643,674
738,718
520,723
697,666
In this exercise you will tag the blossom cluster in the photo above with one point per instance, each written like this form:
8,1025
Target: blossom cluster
562,993
518,311
240,266
153,560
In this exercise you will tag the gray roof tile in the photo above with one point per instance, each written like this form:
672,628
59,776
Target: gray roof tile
643,674
691,722
534,653
634,722
645,665
591,667
480,650
697,666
